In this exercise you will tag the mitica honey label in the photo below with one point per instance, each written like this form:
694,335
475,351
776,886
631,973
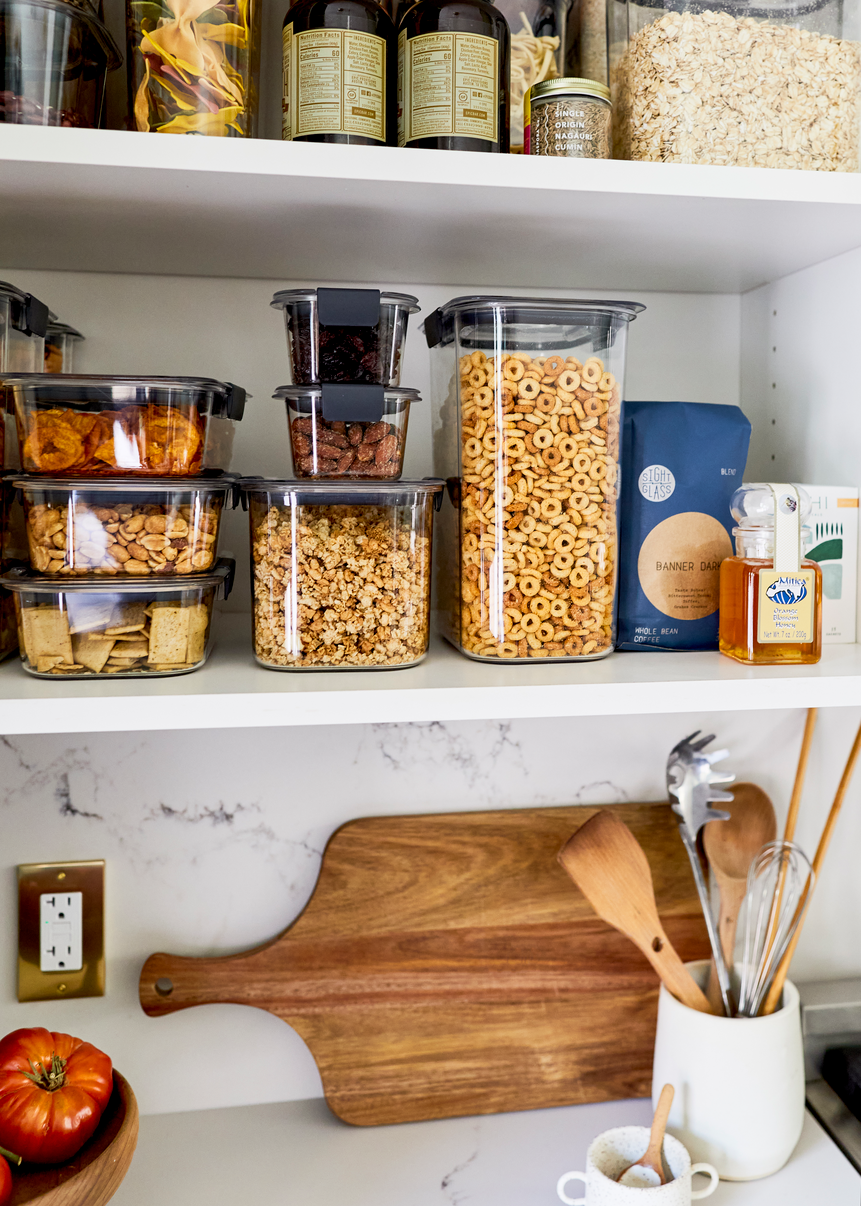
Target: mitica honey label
786,612
681,463
447,85
334,83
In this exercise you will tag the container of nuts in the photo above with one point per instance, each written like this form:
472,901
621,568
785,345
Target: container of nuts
531,393
341,572
155,526
347,431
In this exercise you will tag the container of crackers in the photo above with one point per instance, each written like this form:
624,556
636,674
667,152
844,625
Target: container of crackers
155,526
530,391
341,572
99,426
75,628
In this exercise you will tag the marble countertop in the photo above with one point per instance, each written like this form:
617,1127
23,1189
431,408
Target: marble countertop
299,1154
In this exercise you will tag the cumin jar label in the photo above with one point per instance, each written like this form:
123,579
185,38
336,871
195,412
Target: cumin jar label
567,124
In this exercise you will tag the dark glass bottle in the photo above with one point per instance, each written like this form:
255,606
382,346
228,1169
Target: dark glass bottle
340,73
453,76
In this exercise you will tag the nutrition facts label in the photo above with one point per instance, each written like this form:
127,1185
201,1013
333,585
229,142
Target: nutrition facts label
334,83
447,84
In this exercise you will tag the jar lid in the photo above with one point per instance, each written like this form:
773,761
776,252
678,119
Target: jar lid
285,298
55,327
752,505
225,400
552,322
21,579
28,314
125,488
568,86
341,493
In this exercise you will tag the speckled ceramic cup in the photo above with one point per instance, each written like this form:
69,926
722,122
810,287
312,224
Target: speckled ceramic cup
613,1151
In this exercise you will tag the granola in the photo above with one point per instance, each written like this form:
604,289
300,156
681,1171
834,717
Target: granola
339,585
712,88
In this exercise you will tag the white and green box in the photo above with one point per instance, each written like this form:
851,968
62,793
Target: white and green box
833,522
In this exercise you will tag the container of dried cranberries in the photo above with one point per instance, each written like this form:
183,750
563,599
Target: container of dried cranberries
345,335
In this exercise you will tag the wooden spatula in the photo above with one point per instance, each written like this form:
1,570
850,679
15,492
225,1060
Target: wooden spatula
652,1158
609,867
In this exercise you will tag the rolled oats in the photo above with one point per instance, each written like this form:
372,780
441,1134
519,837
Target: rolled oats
715,89
340,585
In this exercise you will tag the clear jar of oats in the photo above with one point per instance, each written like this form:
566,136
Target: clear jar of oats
732,83
341,573
531,393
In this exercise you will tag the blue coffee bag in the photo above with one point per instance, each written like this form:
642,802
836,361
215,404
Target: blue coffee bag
681,463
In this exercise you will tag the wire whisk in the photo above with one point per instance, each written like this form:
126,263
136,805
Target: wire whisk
779,887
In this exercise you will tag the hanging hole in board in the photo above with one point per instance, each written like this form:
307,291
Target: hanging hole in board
657,944
164,986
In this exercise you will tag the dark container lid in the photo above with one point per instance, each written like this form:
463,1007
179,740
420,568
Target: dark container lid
28,314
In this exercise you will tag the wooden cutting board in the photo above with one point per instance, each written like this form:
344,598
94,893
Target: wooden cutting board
446,965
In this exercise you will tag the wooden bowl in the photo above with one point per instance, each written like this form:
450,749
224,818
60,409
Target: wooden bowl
94,1175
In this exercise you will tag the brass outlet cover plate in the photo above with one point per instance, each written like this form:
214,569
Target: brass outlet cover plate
34,879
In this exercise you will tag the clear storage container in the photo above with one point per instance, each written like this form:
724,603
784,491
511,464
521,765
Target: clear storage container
194,69
347,431
61,341
731,83
159,526
23,323
154,426
141,626
530,391
345,335
54,60
341,573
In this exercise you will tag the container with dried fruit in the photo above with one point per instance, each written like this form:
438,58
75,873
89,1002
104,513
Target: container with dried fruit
61,341
347,430
730,83
123,426
54,60
531,392
72,628
193,67
159,526
341,573
345,335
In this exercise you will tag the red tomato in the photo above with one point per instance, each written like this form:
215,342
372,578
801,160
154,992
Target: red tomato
53,1089
5,1182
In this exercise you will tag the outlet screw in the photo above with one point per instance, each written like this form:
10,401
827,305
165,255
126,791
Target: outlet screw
61,988
61,875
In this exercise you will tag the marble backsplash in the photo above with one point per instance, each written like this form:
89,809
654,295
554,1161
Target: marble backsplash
213,842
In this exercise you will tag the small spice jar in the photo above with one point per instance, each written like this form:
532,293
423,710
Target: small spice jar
568,118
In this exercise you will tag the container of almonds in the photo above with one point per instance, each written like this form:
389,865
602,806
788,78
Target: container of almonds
530,392
341,572
156,526
77,628
347,430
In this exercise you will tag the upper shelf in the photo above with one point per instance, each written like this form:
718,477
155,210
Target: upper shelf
232,691
112,201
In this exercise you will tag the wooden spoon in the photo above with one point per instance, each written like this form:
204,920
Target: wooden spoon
653,1157
609,867
731,846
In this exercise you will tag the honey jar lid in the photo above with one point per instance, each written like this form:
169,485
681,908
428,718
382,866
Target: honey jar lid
568,86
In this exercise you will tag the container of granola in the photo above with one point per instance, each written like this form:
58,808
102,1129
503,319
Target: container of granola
347,430
61,342
54,61
88,426
352,336
341,573
74,628
157,526
530,391
771,84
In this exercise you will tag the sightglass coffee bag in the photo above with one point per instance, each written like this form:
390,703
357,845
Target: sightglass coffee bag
681,462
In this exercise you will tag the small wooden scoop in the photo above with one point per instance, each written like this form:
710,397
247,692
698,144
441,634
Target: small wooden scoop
653,1157
609,867
731,846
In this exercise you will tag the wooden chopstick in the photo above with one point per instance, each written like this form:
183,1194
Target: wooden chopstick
773,996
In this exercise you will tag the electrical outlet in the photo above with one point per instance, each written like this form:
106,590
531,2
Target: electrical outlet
61,920
61,930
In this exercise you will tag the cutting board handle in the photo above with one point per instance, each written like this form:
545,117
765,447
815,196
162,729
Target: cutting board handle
172,982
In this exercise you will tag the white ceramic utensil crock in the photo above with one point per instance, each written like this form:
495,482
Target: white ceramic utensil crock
611,1153
739,1083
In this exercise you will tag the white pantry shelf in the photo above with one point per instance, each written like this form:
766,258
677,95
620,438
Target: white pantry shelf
114,201
232,691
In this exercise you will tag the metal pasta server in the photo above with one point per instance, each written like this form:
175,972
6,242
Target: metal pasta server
691,783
